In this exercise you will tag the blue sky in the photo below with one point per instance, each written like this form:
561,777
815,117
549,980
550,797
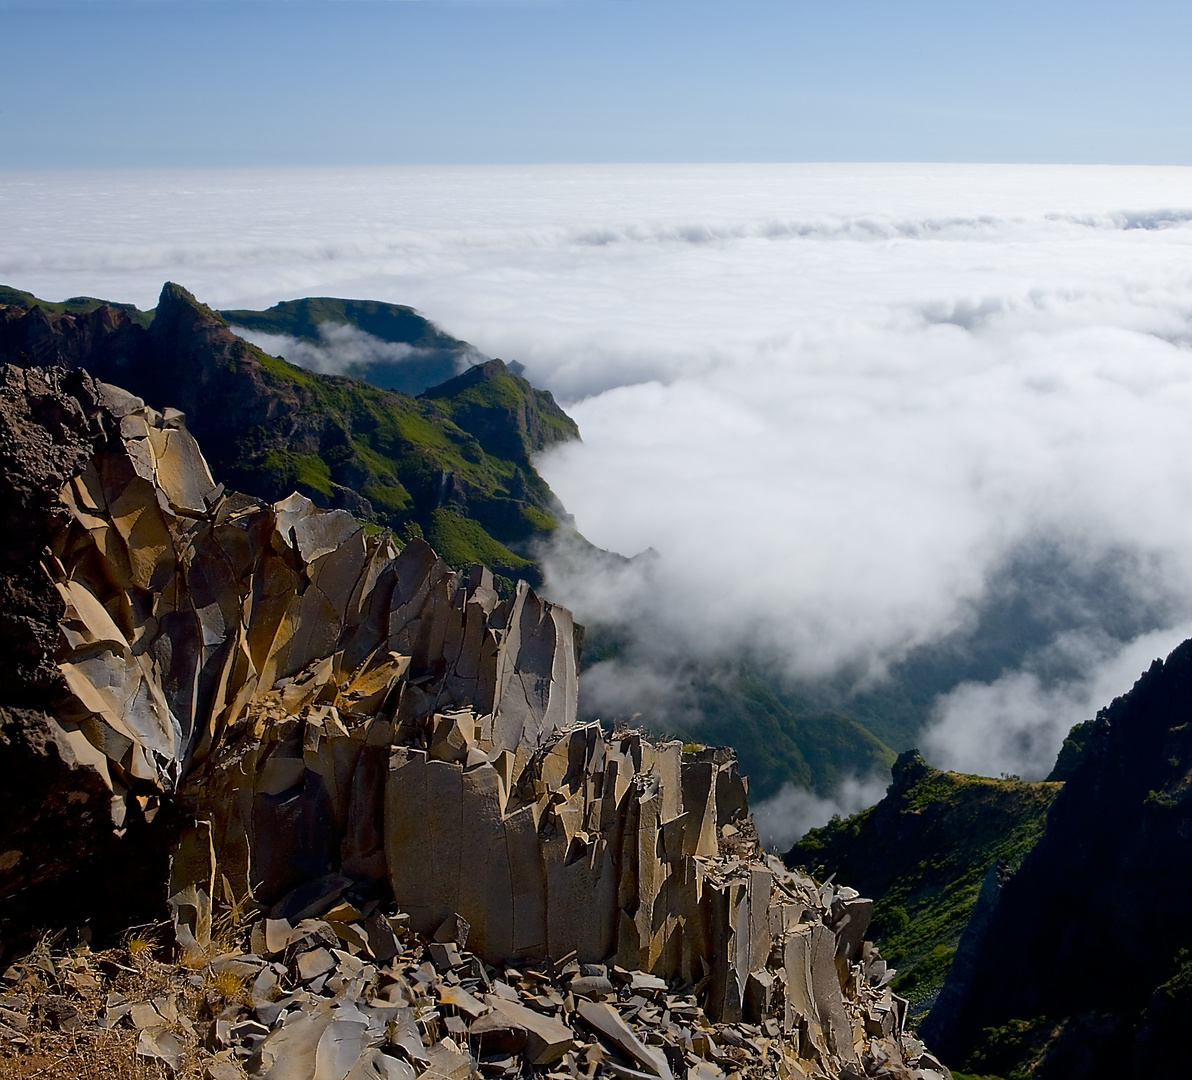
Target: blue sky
95,83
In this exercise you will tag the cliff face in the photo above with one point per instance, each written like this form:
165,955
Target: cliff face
1082,968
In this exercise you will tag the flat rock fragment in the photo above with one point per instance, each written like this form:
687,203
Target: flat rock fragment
161,1043
607,1022
547,1040
498,1033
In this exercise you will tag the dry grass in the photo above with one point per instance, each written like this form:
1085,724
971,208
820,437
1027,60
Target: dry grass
90,1055
228,985
46,984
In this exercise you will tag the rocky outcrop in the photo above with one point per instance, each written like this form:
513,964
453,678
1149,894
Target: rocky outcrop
323,719
1082,968
185,611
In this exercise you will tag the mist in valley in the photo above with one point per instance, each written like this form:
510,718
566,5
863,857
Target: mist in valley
904,447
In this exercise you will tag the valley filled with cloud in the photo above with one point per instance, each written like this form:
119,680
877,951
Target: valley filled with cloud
846,411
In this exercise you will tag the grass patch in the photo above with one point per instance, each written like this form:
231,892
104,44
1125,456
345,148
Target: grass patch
462,542
298,472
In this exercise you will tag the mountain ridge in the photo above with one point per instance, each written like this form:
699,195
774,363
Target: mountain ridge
433,356
272,427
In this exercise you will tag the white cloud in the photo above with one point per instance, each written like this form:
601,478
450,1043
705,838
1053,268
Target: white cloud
1017,723
785,817
834,399
651,694
339,347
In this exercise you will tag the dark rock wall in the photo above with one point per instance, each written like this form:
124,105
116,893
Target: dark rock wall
1083,965
50,425
63,859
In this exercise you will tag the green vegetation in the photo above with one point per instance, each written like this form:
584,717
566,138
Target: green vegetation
1017,1048
305,473
462,542
302,319
922,853
777,741
454,465
76,305
457,467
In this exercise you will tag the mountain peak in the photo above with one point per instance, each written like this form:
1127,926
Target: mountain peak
176,300
908,770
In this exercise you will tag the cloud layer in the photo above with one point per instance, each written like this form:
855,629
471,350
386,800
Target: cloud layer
1016,723
339,348
784,818
833,399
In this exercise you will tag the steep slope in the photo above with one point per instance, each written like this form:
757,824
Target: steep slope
1083,965
407,463
923,853
425,356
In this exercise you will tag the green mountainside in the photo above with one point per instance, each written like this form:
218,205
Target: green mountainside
922,854
76,305
777,739
454,467
434,356
1080,967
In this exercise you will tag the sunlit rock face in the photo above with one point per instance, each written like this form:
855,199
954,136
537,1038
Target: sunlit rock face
170,614
188,612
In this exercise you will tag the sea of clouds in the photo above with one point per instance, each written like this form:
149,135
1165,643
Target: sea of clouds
833,399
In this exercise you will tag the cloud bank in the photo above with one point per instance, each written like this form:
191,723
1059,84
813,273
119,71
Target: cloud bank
784,818
1016,723
833,399
339,348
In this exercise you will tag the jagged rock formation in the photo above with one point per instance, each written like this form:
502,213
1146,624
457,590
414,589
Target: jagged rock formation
183,609
338,716
1081,969
923,853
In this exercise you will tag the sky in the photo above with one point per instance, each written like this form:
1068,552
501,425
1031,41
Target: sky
119,83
